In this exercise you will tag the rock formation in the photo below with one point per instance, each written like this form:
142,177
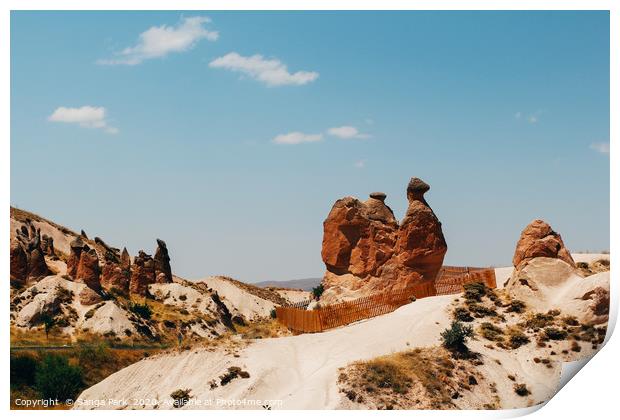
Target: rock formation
142,274
73,260
161,261
27,256
366,251
89,297
421,245
539,240
87,271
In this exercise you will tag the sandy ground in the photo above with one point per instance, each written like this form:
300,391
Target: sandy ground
300,372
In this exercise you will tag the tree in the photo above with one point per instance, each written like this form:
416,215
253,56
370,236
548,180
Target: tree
48,324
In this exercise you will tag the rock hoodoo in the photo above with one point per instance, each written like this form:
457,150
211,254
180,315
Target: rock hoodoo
142,274
366,251
161,261
87,271
27,255
538,239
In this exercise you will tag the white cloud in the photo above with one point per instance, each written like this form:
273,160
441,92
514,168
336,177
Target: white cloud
272,72
602,148
159,41
518,115
85,116
360,164
297,137
347,132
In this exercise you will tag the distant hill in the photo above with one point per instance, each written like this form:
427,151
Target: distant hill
303,284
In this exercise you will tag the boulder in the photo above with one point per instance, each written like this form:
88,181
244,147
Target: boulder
161,262
538,239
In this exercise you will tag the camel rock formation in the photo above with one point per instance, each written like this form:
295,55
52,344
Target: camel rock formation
366,251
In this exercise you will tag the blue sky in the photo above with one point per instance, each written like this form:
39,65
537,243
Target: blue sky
231,134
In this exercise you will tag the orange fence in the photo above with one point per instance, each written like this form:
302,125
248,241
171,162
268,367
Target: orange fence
450,280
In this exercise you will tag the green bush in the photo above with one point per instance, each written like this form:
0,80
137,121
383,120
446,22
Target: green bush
23,370
56,378
455,337
142,311
318,291
272,313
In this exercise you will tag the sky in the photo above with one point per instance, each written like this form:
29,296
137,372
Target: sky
231,134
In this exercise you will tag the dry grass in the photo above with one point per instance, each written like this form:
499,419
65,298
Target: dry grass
269,328
423,378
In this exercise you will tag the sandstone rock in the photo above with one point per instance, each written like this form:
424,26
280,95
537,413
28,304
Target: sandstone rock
114,276
125,260
539,240
421,245
365,251
89,297
161,261
358,238
88,268
142,274
47,245
27,256
551,283
19,264
74,256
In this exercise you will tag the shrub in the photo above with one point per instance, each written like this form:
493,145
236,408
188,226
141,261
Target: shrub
539,320
183,298
23,370
516,306
454,338
491,332
180,397
318,291
56,378
521,390
233,372
462,314
480,311
272,313
143,311
386,374
517,338
555,334
475,291
184,311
